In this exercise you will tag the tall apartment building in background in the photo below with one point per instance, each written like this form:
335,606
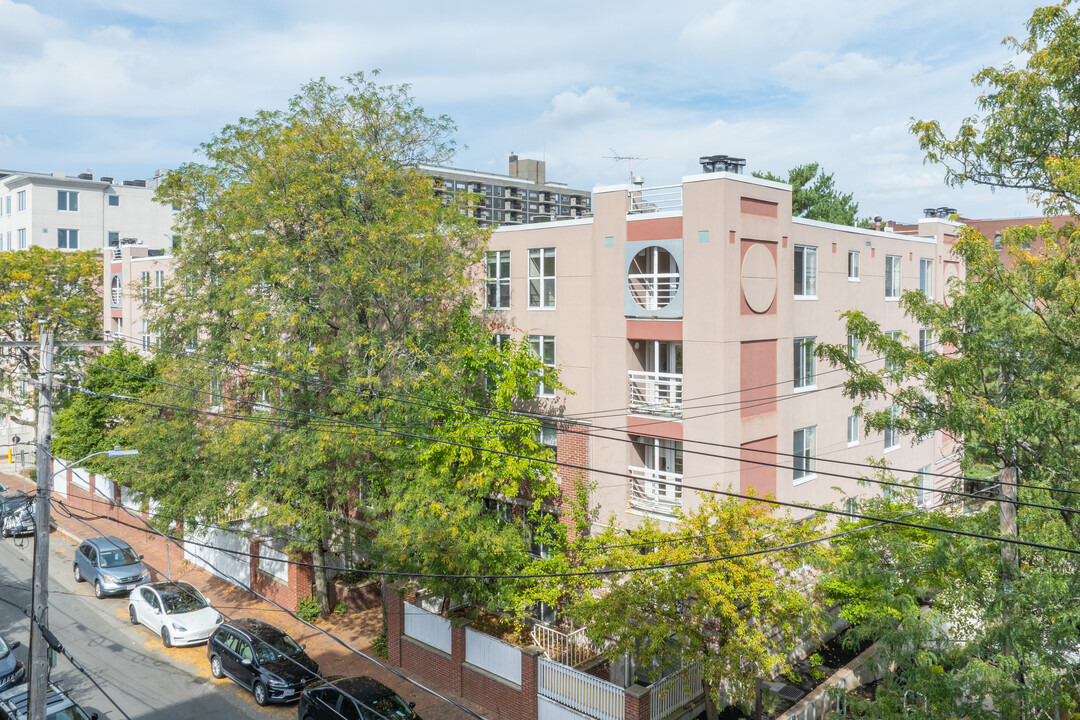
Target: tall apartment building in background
523,196
683,319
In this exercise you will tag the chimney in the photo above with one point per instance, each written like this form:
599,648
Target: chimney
722,163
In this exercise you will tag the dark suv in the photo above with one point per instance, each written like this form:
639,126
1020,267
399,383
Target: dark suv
16,513
262,659
356,698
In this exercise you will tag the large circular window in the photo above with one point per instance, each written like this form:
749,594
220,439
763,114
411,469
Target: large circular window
653,278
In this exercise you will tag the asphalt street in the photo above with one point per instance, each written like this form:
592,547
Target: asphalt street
148,681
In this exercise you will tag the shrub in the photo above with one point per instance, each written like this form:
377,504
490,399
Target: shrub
341,608
308,609
379,646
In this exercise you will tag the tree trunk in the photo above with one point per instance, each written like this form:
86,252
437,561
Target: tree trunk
322,586
711,711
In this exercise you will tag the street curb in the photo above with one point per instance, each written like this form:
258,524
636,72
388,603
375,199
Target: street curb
69,535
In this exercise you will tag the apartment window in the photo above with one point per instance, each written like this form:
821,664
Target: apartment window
22,238
892,276
805,271
853,346
926,340
925,484
926,276
67,239
502,510
892,435
159,282
542,278
538,547
114,239
891,365
997,241
544,346
7,203
146,339
804,448
548,435
656,483
145,280
215,395
498,279
67,200
9,247
114,201
20,198
853,265
852,430
805,376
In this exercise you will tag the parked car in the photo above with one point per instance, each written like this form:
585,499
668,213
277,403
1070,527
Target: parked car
261,658
12,671
174,610
58,706
16,513
110,564
357,698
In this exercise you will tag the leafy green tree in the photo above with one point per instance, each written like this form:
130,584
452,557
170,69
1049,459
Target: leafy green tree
51,289
814,195
82,426
333,289
1027,136
737,619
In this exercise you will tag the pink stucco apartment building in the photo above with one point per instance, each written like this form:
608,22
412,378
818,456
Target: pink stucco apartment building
682,318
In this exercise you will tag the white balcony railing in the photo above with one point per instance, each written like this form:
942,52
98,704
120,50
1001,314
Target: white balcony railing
656,393
672,692
655,490
571,648
117,297
656,199
653,291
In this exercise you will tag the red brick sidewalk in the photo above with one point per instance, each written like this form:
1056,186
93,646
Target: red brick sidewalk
161,556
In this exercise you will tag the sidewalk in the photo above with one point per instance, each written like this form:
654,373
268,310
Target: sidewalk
161,556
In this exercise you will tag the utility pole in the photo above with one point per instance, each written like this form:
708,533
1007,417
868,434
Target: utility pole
39,659
1010,554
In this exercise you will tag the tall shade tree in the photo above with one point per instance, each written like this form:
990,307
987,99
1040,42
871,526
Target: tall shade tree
53,290
735,618
814,195
321,287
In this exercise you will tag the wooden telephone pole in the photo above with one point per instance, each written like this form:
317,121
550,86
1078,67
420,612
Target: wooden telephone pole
39,618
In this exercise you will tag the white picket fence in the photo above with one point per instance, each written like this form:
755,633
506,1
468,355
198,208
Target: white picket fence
428,628
591,696
492,655
670,693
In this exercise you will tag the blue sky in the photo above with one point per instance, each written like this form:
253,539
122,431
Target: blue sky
124,87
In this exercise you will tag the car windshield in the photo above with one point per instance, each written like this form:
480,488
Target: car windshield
268,651
68,713
181,599
16,503
116,557
391,706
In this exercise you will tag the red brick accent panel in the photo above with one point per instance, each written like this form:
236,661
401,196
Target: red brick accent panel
573,449
637,703
433,666
394,610
357,597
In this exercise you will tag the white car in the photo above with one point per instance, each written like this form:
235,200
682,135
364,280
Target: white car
174,610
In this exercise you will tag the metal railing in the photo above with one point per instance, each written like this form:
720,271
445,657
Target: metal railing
653,291
672,692
656,199
655,490
591,696
570,649
656,393
117,297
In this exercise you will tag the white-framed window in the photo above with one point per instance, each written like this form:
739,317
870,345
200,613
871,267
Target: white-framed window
273,562
926,340
548,435
159,283
147,340
114,201
805,369
804,448
498,279
852,430
853,346
22,238
20,198
216,400
891,364
7,202
536,546
892,277
805,271
67,239
542,278
67,200
926,276
853,265
9,246
502,510
892,435
925,486
544,346
656,483
144,279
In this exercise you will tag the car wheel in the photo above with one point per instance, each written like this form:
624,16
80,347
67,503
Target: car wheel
166,639
99,593
215,667
260,693
132,615
78,572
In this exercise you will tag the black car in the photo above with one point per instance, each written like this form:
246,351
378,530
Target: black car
16,513
261,658
357,698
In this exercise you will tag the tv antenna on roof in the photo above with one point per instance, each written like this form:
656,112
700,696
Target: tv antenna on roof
628,158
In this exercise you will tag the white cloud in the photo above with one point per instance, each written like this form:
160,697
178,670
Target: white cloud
596,104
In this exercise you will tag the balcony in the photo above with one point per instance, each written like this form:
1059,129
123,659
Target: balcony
117,297
653,291
662,198
655,491
656,393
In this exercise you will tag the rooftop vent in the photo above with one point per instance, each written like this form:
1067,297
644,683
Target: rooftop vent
939,212
107,179
139,183
722,163
86,176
